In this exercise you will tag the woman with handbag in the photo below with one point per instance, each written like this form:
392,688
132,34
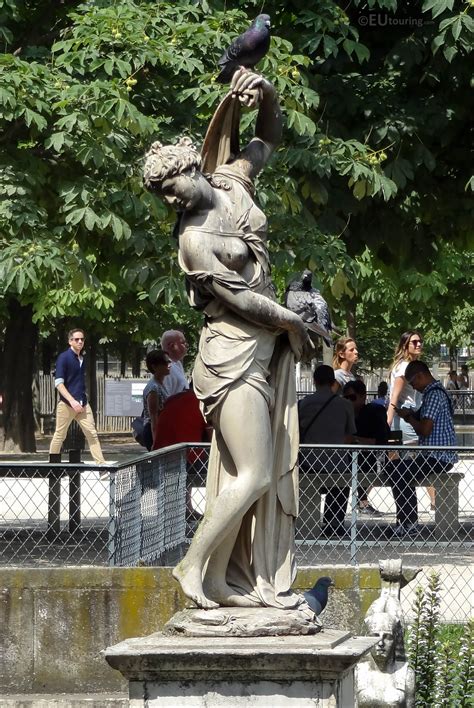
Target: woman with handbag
158,363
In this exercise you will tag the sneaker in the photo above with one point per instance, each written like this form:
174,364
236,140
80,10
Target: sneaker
369,509
403,530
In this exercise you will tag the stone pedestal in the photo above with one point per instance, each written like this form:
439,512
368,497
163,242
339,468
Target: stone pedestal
313,671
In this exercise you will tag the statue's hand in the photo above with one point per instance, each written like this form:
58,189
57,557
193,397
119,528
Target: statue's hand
300,342
249,87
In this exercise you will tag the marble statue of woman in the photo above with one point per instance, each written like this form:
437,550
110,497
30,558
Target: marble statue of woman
242,552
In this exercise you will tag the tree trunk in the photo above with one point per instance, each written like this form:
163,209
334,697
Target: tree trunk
92,373
21,337
351,319
123,359
105,354
137,361
47,356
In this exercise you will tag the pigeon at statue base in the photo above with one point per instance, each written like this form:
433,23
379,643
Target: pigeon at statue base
246,50
317,597
307,302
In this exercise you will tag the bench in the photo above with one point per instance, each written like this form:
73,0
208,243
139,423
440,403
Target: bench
311,481
53,473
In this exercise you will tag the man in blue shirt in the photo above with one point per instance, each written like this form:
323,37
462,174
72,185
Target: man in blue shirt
70,383
433,423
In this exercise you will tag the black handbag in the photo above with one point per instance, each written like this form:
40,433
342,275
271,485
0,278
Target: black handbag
138,427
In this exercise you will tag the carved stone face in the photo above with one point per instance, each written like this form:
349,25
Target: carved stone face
183,192
382,625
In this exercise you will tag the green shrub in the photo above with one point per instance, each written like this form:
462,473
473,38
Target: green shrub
442,656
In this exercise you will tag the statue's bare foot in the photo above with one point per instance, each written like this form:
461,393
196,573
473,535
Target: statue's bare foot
191,584
227,597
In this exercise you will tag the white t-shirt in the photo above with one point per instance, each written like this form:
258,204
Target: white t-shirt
176,380
343,377
408,397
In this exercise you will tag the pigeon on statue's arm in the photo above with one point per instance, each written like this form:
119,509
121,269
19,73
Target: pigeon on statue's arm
307,302
246,50
317,597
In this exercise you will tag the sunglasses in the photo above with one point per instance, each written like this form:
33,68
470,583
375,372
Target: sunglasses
351,397
78,339
416,342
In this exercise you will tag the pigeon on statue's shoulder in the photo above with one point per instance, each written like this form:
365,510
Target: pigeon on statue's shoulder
307,302
246,50
317,597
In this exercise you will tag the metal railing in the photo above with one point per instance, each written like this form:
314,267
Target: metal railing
463,404
148,504
76,514
145,511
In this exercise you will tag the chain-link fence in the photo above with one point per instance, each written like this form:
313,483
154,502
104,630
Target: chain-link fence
149,525
54,514
80,514
357,505
463,404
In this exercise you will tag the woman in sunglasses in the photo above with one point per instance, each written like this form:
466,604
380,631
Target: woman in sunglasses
402,394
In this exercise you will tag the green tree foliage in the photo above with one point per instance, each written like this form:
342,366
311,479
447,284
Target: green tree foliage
374,103
373,175
404,100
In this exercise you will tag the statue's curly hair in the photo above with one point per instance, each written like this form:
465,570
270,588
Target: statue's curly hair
163,161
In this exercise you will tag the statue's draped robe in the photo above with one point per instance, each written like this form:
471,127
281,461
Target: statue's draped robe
234,350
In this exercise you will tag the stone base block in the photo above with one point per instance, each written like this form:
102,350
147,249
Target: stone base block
63,700
314,671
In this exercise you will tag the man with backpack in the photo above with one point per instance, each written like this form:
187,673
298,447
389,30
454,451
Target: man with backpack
325,417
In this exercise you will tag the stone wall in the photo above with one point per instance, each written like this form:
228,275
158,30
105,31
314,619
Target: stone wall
54,622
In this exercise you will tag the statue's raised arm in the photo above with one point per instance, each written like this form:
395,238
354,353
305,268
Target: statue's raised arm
253,89
221,144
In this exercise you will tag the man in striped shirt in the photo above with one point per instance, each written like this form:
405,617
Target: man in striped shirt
433,423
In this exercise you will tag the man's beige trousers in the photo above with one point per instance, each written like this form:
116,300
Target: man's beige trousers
64,417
